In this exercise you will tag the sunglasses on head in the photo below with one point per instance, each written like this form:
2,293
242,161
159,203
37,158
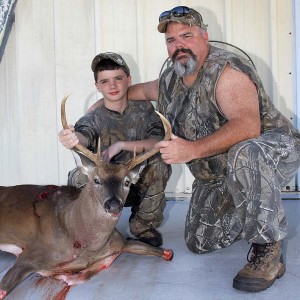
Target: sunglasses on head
178,11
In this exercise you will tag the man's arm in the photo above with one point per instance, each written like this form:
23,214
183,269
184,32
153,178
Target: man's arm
95,105
144,91
237,98
141,91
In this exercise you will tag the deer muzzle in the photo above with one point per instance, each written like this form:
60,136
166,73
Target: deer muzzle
114,206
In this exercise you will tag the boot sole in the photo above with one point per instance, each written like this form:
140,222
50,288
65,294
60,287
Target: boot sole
155,240
248,284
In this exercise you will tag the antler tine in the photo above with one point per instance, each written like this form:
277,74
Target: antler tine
99,149
93,157
144,156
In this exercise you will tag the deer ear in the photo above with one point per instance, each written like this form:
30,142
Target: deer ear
82,161
136,172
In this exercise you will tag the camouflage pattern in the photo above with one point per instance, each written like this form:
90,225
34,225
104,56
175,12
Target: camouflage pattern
180,14
138,122
117,58
235,194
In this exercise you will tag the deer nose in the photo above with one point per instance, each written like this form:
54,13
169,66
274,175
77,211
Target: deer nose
113,205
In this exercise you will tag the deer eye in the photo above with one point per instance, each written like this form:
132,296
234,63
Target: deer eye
97,180
127,183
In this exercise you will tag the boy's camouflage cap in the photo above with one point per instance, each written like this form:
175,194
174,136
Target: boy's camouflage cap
117,58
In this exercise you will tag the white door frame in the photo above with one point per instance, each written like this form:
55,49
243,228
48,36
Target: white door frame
296,18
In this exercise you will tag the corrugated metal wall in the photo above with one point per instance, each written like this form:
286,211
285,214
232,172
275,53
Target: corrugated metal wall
51,46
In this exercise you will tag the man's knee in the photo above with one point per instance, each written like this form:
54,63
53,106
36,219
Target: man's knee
206,233
245,160
196,245
242,151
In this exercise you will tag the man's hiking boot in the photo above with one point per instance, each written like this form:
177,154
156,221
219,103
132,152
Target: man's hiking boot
151,236
263,268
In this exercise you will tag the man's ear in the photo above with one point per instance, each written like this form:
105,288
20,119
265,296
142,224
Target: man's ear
205,36
136,172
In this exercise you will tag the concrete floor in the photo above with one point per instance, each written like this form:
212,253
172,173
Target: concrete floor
188,276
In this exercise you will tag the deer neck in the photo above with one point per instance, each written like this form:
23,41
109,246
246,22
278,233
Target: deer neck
87,222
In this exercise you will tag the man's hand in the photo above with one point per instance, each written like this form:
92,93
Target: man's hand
68,137
176,151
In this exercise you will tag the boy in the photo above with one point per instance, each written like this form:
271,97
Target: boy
123,126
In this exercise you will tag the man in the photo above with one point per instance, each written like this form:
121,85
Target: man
124,127
241,150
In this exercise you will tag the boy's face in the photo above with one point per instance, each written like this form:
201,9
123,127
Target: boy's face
113,85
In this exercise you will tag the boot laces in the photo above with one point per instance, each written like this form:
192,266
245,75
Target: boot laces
258,253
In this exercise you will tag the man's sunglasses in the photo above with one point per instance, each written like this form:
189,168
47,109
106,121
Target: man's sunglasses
178,11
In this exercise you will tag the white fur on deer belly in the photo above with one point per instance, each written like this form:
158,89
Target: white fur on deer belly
11,249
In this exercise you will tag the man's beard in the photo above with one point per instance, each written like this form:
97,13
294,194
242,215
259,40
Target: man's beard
189,67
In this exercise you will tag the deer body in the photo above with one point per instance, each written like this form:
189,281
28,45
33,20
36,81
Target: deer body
67,233
61,232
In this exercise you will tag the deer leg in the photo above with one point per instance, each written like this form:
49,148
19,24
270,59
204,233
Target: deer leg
82,276
137,247
18,272
87,273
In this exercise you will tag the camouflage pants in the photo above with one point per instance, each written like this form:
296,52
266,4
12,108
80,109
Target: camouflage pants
246,203
146,197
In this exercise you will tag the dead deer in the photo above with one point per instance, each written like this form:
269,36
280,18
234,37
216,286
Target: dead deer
66,233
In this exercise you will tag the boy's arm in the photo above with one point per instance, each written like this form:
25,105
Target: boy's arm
137,146
84,133
69,138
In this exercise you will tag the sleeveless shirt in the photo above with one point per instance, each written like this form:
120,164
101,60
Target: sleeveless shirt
194,112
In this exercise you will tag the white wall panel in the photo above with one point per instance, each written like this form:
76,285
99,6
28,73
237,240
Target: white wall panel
35,75
296,31
53,42
9,118
74,48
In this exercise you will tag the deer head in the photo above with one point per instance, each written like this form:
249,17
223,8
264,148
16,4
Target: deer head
110,181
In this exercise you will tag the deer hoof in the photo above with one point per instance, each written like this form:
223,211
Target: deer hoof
168,254
2,294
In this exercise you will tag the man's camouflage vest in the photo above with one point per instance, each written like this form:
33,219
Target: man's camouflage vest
194,113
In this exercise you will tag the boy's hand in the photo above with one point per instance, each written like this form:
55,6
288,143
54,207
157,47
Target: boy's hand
111,151
68,137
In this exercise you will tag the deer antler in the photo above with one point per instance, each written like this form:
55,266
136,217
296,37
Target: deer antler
142,157
95,157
